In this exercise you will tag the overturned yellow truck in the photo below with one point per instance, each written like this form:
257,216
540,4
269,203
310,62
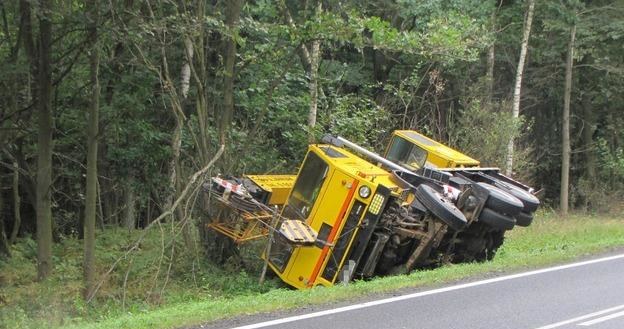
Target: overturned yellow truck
350,213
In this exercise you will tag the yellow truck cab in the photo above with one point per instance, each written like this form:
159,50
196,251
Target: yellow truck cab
340,196
414,150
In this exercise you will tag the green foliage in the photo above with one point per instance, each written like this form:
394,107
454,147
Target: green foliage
483,132
611,162
359,120
483,129
455,36
592,196
449,36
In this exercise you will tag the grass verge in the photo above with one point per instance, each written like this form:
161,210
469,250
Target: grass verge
549,240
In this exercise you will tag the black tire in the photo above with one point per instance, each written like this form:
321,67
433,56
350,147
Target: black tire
501,201
530,202
524,219
496,220
441,207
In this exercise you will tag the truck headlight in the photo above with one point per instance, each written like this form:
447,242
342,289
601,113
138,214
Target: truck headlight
364,191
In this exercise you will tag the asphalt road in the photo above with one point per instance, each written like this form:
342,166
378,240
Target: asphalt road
588,294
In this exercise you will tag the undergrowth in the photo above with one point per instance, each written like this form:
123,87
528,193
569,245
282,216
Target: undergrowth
197,290
150,283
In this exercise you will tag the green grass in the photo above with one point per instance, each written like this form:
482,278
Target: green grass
223,293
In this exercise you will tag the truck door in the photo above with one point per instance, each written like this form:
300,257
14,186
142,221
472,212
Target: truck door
326,218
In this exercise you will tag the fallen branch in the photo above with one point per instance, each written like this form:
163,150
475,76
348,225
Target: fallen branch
166,213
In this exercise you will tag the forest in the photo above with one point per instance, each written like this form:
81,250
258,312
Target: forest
113,113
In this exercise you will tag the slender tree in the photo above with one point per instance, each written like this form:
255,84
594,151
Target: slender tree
589,128
4,243
44,146
491,57
565,128
16,203
232,15
314,58
129,216
515,112
92,147
310,60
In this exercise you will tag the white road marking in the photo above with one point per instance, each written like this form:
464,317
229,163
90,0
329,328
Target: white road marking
602,319
583,317
427,293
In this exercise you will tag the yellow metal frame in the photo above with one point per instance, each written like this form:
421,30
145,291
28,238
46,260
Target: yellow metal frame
438,154
278,185
247,226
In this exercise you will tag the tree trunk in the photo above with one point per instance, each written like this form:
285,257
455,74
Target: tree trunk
518,86
565,129
92,146
310,60
315,52
185,75
17,204
115,206
129,213
4,243
44,146
232,15
28,185
31,98
489,74
175,179
589,128
29,46
98,188
304,53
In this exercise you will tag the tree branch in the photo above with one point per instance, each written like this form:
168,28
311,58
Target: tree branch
156,221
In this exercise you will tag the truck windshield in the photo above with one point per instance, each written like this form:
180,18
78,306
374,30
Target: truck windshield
307,187
406,154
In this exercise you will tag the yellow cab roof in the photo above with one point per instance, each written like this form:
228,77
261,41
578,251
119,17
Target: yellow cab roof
435,147
355,166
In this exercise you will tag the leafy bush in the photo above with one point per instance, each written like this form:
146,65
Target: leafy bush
590,195
483,129
611,163
358,119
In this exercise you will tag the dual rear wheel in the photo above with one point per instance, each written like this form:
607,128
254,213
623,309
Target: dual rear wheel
507,205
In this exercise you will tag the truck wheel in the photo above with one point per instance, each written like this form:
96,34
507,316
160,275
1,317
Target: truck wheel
441,207
529,200
496,220
524,219
501,201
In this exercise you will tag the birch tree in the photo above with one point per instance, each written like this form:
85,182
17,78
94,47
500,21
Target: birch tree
310,60
515,112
